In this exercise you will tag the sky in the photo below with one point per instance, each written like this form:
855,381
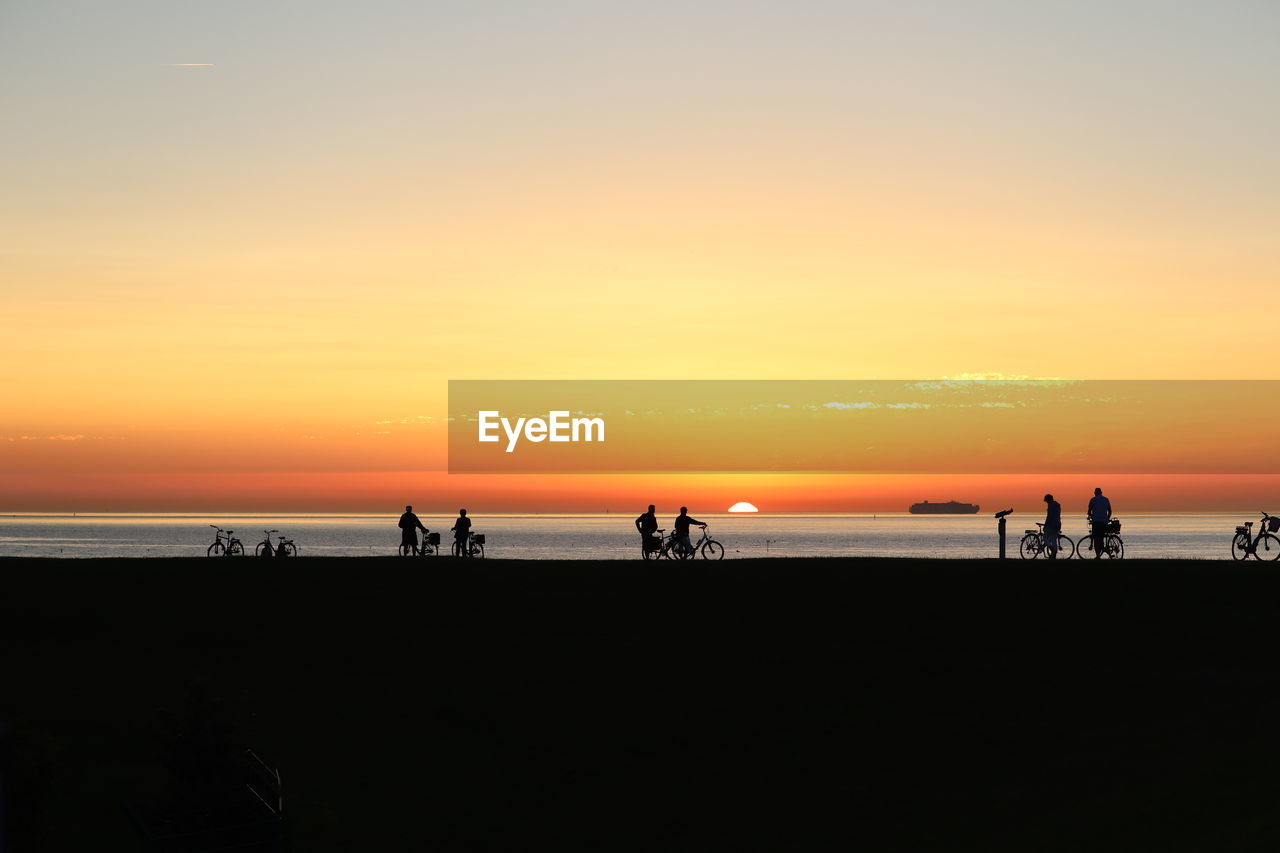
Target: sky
245,245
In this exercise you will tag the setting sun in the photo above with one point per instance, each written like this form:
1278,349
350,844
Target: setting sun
743,506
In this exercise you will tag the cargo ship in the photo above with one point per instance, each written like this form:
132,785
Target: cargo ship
948,508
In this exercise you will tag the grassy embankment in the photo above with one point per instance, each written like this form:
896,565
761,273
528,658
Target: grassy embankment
780,704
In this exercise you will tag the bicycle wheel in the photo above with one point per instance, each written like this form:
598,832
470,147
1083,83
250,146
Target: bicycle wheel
1240,547
405,551
477,551
1115,548
1066,547
217,549
1268,548
1084,548
262,546
648,553
236,549
1030,547
290,550
712,550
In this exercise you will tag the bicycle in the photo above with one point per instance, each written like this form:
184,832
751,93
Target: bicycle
1033,546
658,547
430,546
473,548
652,547
286,548
707,547
1112,544
1265,546
232,547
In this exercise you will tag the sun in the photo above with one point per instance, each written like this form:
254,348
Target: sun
743,506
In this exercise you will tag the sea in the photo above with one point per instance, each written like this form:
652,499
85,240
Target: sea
603,537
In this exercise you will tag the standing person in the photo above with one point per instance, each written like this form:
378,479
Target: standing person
683,520
1052,526
461,530
647,525
409,526
1099,517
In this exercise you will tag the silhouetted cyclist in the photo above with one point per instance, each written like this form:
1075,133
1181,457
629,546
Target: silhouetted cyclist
409,527
1052,526
461,529
647,524
683,520
1099,517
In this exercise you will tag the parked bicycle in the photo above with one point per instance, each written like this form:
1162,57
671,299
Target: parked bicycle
473,548
1033,545
430,546
1265,546
225,544
1112,544
286,548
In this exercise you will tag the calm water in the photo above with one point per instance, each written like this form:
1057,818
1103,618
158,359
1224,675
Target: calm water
1206,535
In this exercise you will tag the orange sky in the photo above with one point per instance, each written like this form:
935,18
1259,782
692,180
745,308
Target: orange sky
244,285
436,492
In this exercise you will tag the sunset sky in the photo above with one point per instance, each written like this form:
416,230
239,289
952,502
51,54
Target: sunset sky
245,245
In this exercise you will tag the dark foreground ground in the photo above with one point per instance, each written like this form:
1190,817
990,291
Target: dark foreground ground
779,705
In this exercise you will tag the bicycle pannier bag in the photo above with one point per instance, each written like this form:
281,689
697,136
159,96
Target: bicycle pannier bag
1273,524
433,538
479,538
1113,526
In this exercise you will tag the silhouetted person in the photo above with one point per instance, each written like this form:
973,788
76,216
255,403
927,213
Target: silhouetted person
1099,517
461,528
647,524
409,527
1052,526
683,520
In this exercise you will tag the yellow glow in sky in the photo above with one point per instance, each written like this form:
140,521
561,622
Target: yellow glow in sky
261,268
